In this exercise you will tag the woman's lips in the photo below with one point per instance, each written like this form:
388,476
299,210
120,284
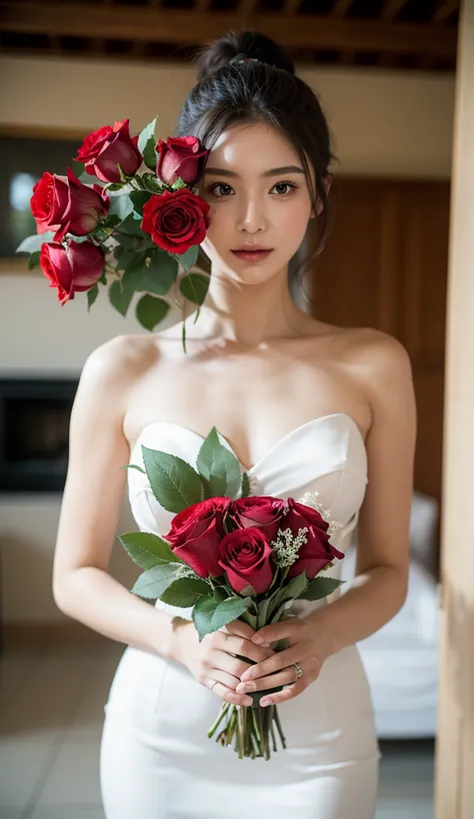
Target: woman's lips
251,255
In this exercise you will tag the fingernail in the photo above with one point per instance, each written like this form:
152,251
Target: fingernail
265,701
258,640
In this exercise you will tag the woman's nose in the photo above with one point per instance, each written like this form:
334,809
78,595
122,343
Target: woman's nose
252,216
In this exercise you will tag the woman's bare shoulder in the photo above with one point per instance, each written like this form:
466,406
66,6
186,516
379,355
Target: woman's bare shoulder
121,358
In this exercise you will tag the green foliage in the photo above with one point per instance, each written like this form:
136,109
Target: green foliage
150,311
219,467
175,484
210,615
148,550
194,287
91,296
120,297
320,587
185,592
34,260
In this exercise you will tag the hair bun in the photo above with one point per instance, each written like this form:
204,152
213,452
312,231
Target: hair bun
251,43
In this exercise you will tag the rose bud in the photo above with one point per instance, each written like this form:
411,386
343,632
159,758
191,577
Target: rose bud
66,205
107,148
246,557
265,512
72,269
317,552
195,535
176,220
180,157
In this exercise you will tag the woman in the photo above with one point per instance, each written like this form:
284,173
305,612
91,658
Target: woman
305,406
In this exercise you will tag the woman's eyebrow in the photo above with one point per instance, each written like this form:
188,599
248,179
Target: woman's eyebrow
272,172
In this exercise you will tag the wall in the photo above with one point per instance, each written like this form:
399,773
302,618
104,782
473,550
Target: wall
385,124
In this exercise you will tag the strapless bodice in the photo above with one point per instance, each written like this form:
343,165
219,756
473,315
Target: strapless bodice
324,459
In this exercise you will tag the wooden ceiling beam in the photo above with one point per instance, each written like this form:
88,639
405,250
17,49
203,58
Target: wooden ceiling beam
444,10
190,27
391,8
341,7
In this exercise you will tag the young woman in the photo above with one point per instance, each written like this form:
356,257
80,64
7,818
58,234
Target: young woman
305,406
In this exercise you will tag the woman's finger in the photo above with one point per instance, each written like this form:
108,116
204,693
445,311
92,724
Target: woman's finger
226,692
285,695
287,676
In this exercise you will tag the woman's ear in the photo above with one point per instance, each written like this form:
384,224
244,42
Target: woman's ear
319,204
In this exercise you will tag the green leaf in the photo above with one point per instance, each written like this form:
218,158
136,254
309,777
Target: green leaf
178,184
134,466
111,220
188,259
156,276
218,466
209,616
152,583
113,186
150,183
126,258
34,260
91,296
175,484
320,587
34,242
131,226
245,486
128,243
148,550
103,278
120,206
150,311
145,135
194,287
185,592
149,154
139,198
120,298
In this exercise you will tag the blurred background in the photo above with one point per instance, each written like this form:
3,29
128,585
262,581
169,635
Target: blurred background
385,73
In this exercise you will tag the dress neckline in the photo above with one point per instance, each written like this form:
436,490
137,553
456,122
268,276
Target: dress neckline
275,446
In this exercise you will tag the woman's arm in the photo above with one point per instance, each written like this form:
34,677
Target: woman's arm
379,588
91,505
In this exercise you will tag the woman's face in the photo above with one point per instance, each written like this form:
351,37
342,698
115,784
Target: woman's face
257,190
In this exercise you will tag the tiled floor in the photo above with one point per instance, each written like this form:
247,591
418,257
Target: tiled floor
51,710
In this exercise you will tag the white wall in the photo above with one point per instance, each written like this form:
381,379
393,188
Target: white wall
385,124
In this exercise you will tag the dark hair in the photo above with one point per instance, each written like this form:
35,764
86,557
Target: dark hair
230,93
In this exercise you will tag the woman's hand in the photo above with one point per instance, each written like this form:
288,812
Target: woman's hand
213,659
304,648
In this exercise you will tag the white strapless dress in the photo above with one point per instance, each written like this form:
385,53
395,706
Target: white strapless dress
156,759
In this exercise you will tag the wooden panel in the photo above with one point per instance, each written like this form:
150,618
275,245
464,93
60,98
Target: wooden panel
385,266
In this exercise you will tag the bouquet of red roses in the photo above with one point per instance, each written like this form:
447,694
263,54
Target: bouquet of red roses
138,222
230,555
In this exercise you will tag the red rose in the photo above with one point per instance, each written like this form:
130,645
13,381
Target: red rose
72,269
180,157
105,149
317,552
66,205
264,512
246,557
195,535
176,220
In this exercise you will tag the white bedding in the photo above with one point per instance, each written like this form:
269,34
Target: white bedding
401,659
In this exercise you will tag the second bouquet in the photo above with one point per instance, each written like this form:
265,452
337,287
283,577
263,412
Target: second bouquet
231,556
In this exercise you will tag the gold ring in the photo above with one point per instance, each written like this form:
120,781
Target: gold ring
298,670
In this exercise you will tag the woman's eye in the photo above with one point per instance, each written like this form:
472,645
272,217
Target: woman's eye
214,188
285,185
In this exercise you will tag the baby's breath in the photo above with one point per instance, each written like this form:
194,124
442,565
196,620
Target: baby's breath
287,545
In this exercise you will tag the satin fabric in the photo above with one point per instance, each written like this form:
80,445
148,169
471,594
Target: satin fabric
156,759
